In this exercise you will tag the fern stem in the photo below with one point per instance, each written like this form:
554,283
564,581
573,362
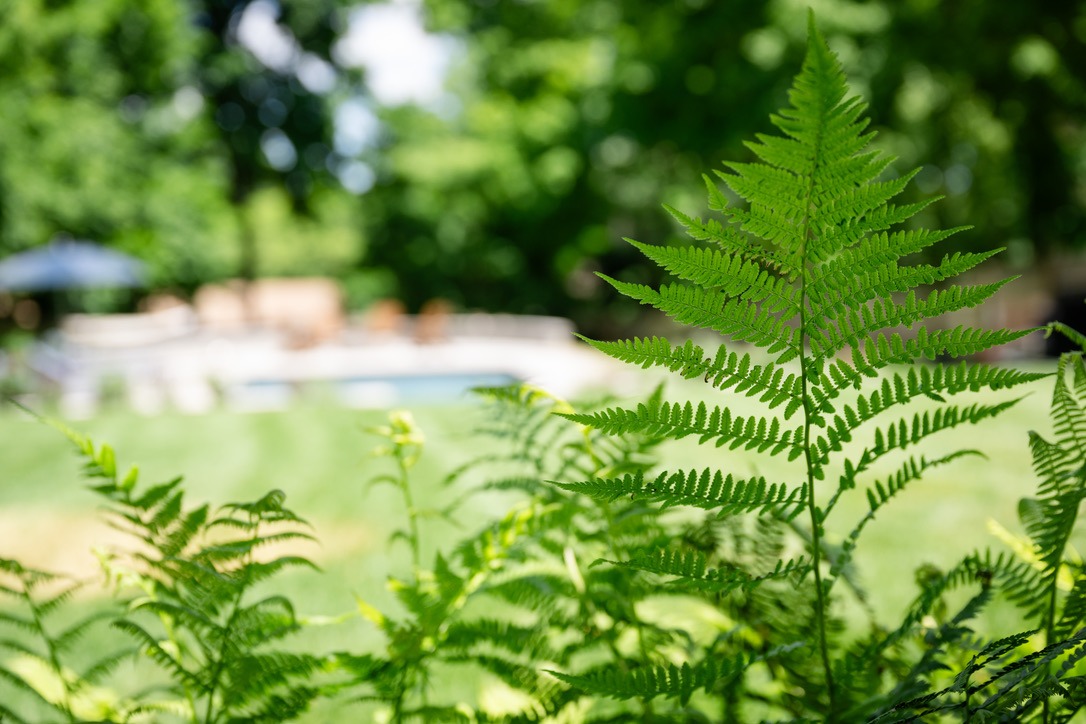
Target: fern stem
1050,632
412,512
812,509
816,548
220,663
65,704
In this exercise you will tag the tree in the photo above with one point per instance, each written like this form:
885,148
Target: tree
576,116
99,139
149,125
267,72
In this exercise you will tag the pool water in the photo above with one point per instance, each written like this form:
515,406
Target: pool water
427,389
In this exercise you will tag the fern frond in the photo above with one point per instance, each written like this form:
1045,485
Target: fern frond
496,633
266,620
649,682
1074,610
731,240
726,370
47,606
811,269
1026,667
284,706
680,420
739,319
18,647
873,354
831,296
906,431
1068,415
857,324
732,275
880,493
152,647
253,677
536,592
1053,464
705,489
66,639
929,381
154,495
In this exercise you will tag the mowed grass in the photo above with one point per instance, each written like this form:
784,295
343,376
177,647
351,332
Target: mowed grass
320,455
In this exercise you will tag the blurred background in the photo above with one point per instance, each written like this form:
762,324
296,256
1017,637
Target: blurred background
379,204
439,156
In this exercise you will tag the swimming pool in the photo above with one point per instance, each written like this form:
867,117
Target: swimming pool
390,390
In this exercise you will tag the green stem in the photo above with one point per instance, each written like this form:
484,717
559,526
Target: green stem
54,655
412,513
816,552
812,509
226,634
401,694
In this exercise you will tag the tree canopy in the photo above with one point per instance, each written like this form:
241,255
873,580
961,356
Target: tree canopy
576,115
179,129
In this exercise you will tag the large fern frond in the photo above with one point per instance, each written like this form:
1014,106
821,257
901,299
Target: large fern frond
813,268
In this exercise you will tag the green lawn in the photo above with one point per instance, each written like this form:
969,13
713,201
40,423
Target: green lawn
320,456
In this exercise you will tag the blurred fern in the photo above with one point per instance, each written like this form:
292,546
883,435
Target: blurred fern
192,587
812,273
1047,577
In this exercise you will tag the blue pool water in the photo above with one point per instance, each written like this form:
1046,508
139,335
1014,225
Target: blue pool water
429,389
368,391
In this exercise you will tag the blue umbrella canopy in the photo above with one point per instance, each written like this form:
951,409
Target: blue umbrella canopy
70,264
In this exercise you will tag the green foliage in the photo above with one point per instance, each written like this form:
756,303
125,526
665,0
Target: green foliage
43,648
578,116
515,594
192,604
199,613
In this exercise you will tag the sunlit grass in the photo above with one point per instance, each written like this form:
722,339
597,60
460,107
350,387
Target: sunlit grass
320,455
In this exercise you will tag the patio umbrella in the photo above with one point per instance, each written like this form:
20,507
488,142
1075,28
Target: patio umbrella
70,264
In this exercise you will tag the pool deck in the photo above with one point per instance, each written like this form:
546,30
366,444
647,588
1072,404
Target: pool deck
256,371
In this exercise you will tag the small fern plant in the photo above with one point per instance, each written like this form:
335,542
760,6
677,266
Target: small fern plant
811,272
192,587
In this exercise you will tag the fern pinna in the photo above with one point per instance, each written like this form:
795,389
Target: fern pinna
811,271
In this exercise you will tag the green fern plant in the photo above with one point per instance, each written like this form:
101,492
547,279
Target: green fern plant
811,272
610,630
1047,577
194,604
